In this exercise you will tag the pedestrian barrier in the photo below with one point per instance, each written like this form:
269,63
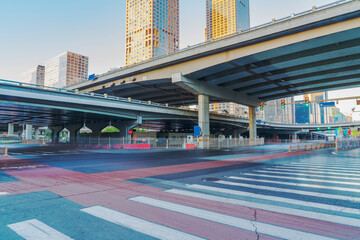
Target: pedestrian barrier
347,144
310,146
136,146
117,146
4,152
190,146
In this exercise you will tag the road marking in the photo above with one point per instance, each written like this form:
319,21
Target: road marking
301,179
323,169
137,224
313,171
306,174
314,194
268,207
245,224
4,193
334,165
280,199
36,230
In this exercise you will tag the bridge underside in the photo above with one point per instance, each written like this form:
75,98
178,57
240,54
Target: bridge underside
325,63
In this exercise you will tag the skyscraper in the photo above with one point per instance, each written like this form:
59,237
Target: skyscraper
224,17
66,69
152,29
35,75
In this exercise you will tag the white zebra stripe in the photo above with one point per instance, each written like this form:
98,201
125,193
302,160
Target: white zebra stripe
313,171
323,169
36,230
245,224
4,193
267,207
138,224
314,194
295,201
307,175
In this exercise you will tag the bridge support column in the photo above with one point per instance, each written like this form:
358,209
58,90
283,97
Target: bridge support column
74,130
204,117
37,133
252,126
125,126
55,134
28,132
10,129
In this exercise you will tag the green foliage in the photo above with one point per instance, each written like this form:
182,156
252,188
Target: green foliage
110,129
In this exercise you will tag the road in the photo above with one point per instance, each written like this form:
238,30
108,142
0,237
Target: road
246,193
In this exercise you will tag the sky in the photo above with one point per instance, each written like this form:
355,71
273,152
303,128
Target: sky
33,31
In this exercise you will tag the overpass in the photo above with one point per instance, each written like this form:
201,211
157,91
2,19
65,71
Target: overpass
22,103
313,51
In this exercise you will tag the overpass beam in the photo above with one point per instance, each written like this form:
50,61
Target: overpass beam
197,87
252,125
10,129
204,117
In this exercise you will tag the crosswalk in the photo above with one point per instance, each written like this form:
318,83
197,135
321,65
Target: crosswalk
282,199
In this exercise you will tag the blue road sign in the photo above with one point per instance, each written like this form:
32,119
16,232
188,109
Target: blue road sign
327,104
92,76
197,131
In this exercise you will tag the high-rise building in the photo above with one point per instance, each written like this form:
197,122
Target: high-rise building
66,69
152,29
273,112
35,75
224,17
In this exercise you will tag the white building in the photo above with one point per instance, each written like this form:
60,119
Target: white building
230,108
35,75
66,69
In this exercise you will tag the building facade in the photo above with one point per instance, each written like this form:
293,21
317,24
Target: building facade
230,108
274,113
152,29
224,17
34,76
66,69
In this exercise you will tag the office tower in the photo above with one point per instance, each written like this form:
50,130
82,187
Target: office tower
152,29
66,69
224,17
35,75
274,113
318,114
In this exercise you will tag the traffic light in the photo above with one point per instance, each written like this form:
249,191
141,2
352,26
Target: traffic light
262,106
307,101
328,128
283,103
318,129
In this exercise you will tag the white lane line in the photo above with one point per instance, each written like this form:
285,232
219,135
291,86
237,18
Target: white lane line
314,194
245,224
302,179
137,224
313,171
290,200
307,174
268,207
339,167
4,193
36,230
323,169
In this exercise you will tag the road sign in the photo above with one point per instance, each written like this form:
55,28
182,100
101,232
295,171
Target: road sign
327,104
305,130
130,132
357,102
197,131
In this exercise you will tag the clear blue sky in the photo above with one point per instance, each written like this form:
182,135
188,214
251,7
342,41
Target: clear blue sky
33,31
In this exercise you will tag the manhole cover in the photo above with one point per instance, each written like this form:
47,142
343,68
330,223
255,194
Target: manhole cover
211,179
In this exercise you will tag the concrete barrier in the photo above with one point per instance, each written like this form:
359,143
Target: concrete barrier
136,146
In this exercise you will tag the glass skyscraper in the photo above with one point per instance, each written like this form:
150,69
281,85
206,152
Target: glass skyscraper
224,17
152,29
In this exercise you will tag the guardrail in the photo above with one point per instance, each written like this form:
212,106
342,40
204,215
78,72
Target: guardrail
310,146
347,144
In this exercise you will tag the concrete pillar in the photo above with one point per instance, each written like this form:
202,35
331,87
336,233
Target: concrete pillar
252,125
10,129
55,134
74,130
28,132
37,133
204,117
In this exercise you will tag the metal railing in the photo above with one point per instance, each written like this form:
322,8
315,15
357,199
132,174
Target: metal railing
344,144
